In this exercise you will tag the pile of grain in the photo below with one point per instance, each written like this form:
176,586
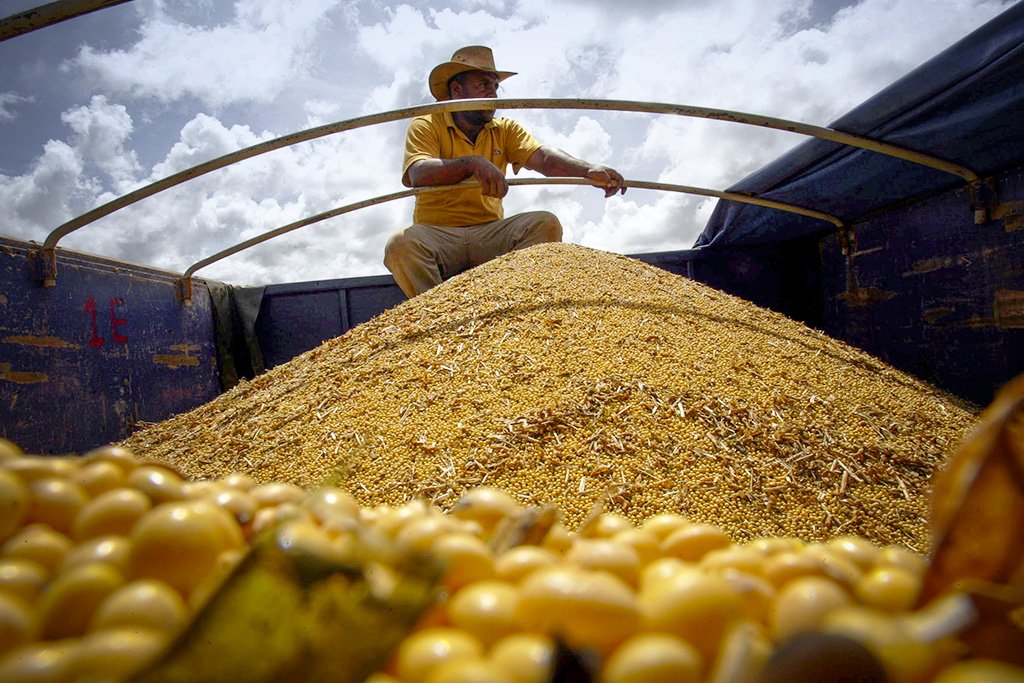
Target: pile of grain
563,375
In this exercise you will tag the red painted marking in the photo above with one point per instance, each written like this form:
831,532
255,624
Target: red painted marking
90,308
115,321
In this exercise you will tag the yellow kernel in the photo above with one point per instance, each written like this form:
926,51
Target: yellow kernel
757,594
40,544
485,505
662,569
39,662
465,558
889,588
615,558
68,603
487,609
896,556
114,654
331,503
145,603
161,484
517,563
14,503
22,579
30,468
692,542
661,525
587,609
98,477
420,534
55,502
607,525
740,558
276,493
860,551
9,451
642,541
467,671
239,481
113,550
558,539
17,623
783,567
112,513
525,657
653,658
423,651
117,455
694,606
981,671
803,603
179,543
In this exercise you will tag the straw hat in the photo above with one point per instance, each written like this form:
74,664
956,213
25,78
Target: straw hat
471,58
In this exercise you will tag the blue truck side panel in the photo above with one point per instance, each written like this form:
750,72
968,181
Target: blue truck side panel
297,317
939,297
110,346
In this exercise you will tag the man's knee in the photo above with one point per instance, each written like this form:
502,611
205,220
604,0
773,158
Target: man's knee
402,246
544,226
551,227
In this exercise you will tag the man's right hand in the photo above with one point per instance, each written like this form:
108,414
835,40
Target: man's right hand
450,171
492,181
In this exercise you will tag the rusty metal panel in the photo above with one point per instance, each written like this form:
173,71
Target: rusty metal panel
107,350
936,295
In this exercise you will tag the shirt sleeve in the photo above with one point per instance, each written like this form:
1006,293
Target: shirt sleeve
519,144
421,142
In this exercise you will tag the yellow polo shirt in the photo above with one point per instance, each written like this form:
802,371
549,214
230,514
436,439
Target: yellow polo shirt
435,136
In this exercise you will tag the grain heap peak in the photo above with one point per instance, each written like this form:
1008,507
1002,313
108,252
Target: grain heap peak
568,376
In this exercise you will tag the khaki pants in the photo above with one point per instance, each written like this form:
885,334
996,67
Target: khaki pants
422,256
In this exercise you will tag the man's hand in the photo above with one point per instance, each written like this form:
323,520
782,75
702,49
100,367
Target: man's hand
608,178
492,181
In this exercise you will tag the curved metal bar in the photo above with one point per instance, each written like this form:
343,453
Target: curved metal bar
466,105
644,185
52,13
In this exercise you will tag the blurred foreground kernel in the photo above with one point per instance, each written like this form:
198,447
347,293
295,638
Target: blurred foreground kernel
423,652
981,671
654,658
100,608
14,502
694,606
803,603
588,609
525,657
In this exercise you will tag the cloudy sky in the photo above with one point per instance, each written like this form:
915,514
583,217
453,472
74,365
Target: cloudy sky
97,106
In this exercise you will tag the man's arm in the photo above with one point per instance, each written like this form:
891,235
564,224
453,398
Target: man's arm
556,163
428,172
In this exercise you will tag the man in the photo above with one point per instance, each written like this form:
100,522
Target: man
455,230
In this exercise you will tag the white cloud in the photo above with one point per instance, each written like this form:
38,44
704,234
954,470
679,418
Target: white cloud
40,200
100,132
279,67
7,101
261,52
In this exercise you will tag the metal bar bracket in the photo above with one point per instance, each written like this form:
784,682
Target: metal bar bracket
183,290
43,266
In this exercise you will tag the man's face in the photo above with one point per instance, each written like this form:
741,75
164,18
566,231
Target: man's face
476,84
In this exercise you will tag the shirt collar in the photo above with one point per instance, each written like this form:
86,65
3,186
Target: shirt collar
450,122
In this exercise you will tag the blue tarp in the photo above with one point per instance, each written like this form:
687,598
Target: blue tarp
965,105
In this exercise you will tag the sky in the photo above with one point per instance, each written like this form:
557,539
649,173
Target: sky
97,106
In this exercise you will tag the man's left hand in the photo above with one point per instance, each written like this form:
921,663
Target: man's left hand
607,178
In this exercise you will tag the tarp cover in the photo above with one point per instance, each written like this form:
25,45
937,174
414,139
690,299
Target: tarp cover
965,105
